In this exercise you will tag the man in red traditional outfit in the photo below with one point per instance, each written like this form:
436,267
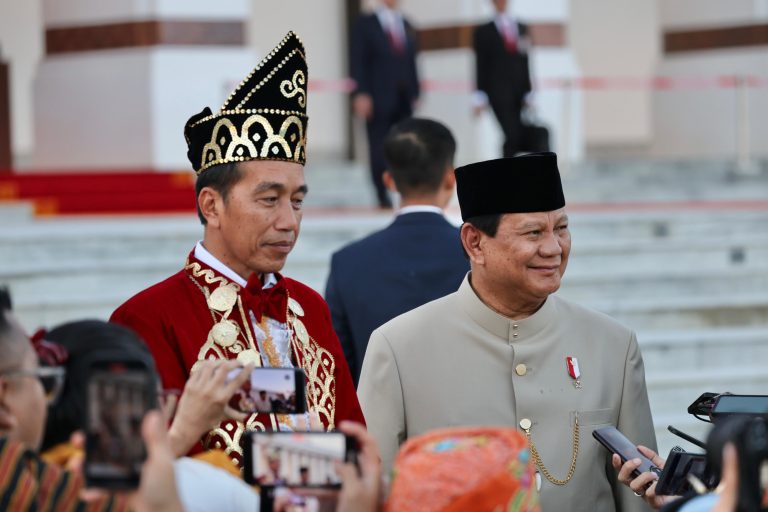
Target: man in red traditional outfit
229,301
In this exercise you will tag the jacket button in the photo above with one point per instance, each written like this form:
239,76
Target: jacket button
521,369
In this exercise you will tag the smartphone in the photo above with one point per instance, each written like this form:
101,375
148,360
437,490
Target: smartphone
119,392
617,443
741,404
673,480
271,390
296,459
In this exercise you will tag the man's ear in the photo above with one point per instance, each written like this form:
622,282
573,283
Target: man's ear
449,180
471,239
389,181
211,205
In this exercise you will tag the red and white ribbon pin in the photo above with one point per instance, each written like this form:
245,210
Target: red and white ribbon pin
572,365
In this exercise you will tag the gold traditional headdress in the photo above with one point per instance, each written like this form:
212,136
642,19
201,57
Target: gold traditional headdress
265,118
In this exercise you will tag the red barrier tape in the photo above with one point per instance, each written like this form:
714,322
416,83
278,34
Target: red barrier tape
659,83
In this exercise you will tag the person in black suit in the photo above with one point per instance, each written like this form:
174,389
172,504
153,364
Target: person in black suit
383,62
502,73
416,259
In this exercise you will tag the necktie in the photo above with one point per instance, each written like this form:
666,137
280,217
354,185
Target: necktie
394,35
510,42
272,302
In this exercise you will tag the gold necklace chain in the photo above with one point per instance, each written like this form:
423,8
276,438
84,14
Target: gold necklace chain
539,464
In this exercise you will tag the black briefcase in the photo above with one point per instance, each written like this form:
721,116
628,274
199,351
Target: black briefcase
534,138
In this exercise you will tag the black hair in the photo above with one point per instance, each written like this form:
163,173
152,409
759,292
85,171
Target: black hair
220,178
82,339
5,306
5,299
417,152
13,341
488,224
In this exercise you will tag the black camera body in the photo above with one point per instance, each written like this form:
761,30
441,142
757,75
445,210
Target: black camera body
752,449
743,421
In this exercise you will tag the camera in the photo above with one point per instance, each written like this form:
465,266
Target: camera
743,421
751,442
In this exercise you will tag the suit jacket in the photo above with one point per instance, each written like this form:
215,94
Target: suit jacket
378,70
502,75
416,259
456,362
175,320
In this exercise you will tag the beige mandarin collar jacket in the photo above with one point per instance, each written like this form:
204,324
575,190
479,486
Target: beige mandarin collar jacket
456,362
499,325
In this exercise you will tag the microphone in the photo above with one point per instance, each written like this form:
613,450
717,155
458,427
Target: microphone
688,438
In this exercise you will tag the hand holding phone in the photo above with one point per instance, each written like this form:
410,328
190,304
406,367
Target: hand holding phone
119,392
271,390
296,459
616,442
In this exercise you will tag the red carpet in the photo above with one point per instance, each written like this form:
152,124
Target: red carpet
106,192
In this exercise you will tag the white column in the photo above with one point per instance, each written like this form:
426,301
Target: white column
616,38
126,107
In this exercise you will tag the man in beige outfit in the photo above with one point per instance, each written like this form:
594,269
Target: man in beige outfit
503,350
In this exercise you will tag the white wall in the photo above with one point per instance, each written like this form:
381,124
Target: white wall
707,13
60,13
21,45
321,26
127,108
704,122
616,38
179,90
101,119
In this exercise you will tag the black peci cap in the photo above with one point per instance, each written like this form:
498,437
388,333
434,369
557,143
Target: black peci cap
521,184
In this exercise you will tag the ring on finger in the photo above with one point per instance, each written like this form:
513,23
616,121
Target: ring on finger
638,494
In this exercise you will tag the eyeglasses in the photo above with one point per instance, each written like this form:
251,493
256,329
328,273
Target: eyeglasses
50,377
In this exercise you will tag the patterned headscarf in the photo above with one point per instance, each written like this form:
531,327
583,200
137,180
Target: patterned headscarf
459,469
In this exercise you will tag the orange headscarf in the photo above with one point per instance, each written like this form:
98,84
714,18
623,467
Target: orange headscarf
459,469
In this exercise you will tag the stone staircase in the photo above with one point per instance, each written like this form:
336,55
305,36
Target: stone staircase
690,277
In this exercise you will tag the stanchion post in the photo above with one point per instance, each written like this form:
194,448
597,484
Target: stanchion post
744,162
565,135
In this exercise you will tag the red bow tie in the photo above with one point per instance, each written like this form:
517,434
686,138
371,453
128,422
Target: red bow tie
272,302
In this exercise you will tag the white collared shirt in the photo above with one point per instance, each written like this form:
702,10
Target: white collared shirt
392,20
279,332
202,254
417,208
506,22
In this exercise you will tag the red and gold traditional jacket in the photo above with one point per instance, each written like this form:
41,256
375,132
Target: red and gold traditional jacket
200,314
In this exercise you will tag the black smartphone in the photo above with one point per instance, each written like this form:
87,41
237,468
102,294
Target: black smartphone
617,443
296,459
740,404
271,390
673,480
119,392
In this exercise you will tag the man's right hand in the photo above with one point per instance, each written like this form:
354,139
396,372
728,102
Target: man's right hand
204,402
362,104
644,485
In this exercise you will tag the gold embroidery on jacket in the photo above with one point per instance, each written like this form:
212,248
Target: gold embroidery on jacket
317,362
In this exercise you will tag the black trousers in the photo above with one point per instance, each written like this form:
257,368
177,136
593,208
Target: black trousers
507,112
378,127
